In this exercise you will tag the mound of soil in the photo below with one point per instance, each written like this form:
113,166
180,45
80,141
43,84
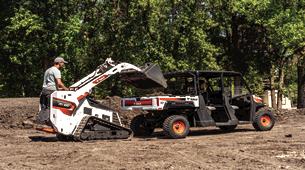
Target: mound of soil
13,111
114,102
284,114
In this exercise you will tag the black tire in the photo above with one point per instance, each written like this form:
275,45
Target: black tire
176,127
264,120
227,128
139,126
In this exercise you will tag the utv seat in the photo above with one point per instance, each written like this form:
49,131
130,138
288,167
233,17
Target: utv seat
211,108
235,107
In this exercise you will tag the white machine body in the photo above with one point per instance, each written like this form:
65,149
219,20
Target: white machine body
68,108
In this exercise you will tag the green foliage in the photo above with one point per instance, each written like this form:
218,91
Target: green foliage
248,36
284,24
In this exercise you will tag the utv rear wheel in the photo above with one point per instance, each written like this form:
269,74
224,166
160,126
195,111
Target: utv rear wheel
264,120
228,128
176,127
139,126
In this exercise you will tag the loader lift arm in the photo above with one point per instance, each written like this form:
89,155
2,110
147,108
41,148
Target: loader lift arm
102,72
150,73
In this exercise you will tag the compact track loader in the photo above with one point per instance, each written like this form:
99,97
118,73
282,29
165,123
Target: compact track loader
74,115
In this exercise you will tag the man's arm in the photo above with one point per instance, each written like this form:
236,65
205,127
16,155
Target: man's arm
60,84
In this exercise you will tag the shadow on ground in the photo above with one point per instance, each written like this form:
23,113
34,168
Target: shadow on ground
201,132
154,136
43,138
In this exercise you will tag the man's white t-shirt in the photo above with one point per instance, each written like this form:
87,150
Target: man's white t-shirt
49,82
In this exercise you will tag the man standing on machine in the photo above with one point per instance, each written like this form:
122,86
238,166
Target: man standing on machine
51,82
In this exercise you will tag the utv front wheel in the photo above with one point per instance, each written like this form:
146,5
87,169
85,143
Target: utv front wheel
264,120
176,127
139,126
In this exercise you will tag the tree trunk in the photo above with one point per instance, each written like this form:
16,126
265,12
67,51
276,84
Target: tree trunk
235,50
301,80
281,85
280,92
272,87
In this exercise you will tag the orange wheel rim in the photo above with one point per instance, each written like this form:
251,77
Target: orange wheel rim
179,127
265,120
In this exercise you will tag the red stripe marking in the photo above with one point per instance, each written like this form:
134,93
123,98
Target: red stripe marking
100,79
82,96
66,111
137,103
170,99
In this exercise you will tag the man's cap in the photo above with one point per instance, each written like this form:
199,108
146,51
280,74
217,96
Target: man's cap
59,60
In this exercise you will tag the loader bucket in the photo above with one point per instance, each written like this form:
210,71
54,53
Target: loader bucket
150,76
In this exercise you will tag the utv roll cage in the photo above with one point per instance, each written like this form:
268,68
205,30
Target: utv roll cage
196,75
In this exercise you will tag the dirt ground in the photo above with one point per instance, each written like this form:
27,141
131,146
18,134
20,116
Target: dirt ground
207,148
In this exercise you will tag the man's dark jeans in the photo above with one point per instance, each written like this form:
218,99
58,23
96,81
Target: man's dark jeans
43,116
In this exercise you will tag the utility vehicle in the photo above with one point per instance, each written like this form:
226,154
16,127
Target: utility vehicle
198,99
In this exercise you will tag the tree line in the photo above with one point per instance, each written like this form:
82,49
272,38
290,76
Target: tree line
262,39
